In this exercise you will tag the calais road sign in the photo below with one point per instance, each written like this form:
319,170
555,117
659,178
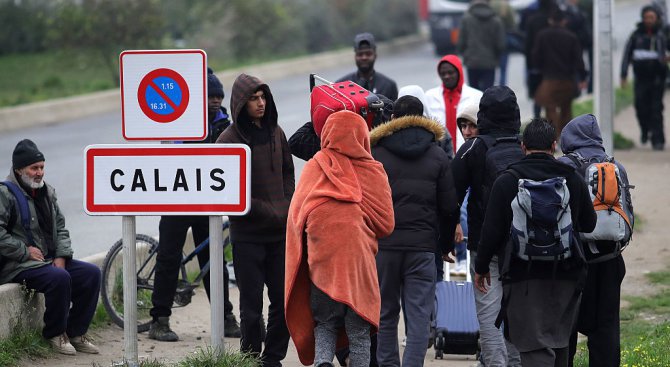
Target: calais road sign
183,179
164,94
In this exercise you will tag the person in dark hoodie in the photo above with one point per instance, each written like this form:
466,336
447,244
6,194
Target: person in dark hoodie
537,20
647,49
447,100
599,309
498,117
426,213
481,41
259,238
541,298
172,234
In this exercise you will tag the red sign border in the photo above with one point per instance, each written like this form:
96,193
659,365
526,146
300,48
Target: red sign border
204,88
166,209
142,91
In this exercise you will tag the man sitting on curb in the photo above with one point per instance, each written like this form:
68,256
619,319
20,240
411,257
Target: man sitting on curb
35,250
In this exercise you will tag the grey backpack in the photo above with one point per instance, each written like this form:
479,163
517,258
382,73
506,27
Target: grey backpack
541,220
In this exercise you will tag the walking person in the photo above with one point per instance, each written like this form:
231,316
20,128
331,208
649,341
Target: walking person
451,96
647,49
481,41
341,207
474,169
541,297
558,55
259,238
172,235
599,320
365,55
426,213
36,251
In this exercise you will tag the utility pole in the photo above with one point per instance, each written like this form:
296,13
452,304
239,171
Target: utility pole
603,73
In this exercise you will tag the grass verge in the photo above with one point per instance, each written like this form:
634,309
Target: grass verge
623,98
22,343
645,328
205,357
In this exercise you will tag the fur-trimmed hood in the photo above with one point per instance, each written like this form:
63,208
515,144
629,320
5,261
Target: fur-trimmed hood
407,136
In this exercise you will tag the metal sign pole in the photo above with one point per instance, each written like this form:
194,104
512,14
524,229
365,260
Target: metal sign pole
603,75
129,292
216,280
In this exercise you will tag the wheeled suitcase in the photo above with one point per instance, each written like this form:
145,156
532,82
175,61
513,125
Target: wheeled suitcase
332,97
456,324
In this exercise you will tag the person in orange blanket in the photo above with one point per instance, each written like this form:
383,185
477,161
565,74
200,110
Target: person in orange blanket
341,207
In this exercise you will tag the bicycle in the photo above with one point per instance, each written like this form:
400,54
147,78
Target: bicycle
146,250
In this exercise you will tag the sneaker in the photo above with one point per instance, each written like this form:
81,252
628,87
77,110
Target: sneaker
160,330
231,328
84,344
61,344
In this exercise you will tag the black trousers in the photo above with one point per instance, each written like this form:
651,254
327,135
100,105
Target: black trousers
258,265
599,313
172,235
77,285
649,107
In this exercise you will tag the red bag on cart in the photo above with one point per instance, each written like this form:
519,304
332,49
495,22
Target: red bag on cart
329,98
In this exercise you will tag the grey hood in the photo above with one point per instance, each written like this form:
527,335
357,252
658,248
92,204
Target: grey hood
582,135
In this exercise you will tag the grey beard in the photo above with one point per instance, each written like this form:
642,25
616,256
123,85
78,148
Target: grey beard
30,182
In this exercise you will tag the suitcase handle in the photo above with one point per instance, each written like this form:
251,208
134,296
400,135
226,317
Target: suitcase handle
313,78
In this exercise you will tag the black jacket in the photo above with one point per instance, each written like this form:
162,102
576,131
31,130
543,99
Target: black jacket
498,116
378,84
646,50
424,199
557,54
496,228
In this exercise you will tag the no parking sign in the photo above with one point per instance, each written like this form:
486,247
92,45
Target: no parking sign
164,94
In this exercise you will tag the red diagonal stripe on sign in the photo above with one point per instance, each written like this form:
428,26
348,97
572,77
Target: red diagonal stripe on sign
163,95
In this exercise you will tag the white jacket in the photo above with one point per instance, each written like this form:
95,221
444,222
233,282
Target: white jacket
436,106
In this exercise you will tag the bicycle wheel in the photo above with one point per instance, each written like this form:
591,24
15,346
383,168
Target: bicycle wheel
112,280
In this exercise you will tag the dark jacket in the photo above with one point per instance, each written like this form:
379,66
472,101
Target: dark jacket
47,225
582,136
378,84
498,116
424,198
481,40
496,228
557,54
272,173
646,49
220,123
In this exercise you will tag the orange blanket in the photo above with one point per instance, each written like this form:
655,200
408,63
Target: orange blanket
341,205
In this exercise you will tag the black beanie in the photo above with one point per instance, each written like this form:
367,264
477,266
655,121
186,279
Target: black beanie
25,154
214,86
498,111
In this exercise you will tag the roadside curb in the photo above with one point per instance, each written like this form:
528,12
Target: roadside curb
64,109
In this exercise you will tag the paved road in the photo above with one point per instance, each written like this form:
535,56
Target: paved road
63,144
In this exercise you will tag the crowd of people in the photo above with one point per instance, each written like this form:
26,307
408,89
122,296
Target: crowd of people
378,210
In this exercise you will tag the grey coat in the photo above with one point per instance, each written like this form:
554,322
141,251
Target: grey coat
481,40
13,240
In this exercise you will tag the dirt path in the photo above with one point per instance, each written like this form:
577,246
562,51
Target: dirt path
649,171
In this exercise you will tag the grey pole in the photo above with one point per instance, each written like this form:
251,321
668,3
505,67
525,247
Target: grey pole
216,280
129,292
603,73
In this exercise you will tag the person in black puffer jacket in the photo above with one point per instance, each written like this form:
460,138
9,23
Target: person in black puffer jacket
426,213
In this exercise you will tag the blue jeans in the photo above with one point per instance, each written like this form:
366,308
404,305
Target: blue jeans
496,351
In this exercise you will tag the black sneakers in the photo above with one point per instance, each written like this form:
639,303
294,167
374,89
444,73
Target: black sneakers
231,328
160,330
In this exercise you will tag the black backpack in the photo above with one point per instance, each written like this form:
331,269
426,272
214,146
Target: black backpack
500,153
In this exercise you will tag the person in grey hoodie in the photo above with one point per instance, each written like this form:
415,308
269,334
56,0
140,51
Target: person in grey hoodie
599,310
481,41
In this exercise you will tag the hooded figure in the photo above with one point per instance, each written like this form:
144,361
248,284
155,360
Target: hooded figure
341,207
259,236
445,101
599,309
